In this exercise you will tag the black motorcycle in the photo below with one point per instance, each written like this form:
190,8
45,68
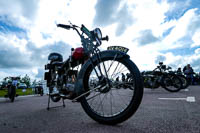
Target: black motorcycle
159,77
11,88
39,90
92,77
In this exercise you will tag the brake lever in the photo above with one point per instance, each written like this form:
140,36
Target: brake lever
73,25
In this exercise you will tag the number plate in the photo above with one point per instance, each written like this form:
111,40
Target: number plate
118,48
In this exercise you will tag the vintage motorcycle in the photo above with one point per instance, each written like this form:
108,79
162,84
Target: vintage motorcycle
159,77
94,78
11,87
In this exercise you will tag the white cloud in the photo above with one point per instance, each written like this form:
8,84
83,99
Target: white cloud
179,31
13,41
197,51
39,19
196,39
19,12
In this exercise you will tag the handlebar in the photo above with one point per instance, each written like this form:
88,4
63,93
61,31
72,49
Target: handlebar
64,26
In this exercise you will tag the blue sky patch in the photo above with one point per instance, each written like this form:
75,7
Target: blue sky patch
8,27
167,32
179,11
181,51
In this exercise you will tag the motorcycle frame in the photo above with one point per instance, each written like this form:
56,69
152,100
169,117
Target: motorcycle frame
90,49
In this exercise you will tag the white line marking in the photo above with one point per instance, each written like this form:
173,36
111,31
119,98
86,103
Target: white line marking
188,99
185,89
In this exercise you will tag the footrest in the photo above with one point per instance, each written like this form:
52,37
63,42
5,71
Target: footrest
54,94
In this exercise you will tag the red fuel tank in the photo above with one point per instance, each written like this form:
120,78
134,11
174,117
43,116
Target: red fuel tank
78,53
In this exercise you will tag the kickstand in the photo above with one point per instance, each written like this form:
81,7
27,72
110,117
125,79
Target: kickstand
63,102
48,106
48,102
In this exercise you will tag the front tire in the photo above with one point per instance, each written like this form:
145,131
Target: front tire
172,83
114,104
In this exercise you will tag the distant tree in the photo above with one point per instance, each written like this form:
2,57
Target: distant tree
26,79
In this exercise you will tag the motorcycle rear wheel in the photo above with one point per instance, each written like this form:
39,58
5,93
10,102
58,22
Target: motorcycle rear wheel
184,81
114,104
12,93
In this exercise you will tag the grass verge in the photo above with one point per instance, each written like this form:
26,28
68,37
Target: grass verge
18,91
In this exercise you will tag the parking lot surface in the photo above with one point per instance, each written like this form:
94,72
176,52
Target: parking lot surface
159,112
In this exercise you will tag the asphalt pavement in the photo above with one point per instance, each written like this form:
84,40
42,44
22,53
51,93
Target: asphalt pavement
159,112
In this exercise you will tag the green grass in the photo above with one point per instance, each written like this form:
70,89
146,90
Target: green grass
18,91
3,93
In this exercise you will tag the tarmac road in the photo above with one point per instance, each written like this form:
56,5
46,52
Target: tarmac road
159,112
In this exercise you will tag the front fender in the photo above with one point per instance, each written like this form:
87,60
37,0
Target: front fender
79,87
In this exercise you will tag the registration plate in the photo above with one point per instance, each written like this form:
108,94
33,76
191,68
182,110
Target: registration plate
118,48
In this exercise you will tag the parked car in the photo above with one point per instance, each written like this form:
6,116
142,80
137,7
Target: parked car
1,86
22,86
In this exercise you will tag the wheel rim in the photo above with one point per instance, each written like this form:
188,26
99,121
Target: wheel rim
111,100
172,83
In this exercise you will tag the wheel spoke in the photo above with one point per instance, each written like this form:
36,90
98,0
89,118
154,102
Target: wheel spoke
108,100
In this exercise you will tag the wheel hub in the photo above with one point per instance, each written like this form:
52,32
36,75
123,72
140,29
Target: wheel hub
105,85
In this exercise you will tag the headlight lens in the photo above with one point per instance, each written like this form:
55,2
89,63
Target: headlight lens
98,33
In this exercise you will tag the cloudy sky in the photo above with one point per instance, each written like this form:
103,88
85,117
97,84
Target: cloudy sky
153,30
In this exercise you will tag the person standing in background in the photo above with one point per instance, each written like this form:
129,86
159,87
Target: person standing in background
188,71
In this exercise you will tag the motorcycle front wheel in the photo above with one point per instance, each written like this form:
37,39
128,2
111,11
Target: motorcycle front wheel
12,93
112,99
172,83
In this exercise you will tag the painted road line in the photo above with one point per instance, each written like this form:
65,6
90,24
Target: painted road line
188,99
185,89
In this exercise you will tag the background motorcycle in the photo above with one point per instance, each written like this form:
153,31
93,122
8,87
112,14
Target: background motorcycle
159,77
90,76
39,90
11,86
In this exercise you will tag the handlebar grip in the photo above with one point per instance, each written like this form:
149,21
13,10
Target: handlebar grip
64,26
106,38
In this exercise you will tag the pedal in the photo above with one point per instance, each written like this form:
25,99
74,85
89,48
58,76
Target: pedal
65,96
68,96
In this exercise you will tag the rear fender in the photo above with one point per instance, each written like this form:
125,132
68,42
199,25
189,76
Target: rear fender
79,87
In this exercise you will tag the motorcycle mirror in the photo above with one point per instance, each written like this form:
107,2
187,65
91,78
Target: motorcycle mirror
160,63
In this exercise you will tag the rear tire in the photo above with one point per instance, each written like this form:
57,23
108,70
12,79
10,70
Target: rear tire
12,93
184,81
128,97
